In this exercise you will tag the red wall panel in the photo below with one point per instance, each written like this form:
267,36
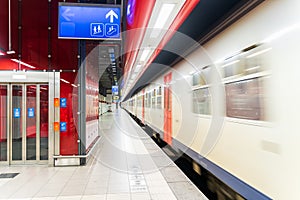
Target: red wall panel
4,25
32,41
68,139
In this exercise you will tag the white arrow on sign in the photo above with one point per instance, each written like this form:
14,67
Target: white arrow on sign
111,14
66,14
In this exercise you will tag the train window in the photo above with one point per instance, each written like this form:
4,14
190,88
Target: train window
247,62
158,98
153,98
149,100
202,101
146,100
139,101
232,68
203,77
158,102
244,99
255,60
159,90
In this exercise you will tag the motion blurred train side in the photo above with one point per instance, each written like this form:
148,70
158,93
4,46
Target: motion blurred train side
236,101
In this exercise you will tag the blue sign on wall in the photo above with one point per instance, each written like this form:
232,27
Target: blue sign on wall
17,112
63,126
63,102
115,89
88,21
30,112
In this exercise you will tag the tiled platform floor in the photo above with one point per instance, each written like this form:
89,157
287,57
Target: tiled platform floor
125,164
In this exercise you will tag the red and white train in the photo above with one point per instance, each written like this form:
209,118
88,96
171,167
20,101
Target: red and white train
236,113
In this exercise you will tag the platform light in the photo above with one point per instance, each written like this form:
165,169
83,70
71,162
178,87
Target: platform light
144,55
163,15
22,63
10,52
162,18
63,80
133,75
74,85
137,68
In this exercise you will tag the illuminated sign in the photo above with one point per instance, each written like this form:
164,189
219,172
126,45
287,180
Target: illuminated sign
63,126
115,89
30,112
63,102
17,112
89,21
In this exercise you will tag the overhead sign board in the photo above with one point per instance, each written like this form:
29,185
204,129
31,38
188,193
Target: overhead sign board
89,21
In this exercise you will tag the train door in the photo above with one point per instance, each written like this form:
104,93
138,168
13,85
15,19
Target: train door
168,109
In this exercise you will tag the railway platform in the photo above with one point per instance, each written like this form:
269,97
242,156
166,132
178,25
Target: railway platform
125,164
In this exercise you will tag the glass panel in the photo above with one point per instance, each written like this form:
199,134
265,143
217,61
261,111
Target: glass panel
3,123
31,122
202,101
17,122
44,122
244,99
158,105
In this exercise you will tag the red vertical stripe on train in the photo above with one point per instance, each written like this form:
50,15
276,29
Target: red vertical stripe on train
168,109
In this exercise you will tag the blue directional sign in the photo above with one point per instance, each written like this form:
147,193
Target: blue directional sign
63,126
30,112
63,102
88,21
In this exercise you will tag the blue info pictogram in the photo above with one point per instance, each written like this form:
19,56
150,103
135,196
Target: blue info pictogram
97,29
112,30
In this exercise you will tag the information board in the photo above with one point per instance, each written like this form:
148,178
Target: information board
89,21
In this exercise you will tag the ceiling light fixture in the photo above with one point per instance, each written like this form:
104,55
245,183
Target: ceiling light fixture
162,18
11,52
22,63
63,80
137,68
144,55
163,15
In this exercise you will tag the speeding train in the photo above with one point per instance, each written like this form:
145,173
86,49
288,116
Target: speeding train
233,104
